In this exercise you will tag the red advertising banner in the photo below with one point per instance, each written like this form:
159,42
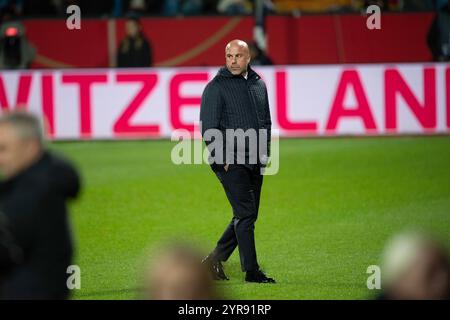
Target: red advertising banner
200,41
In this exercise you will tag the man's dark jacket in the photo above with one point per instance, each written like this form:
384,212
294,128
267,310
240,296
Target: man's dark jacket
35,238
135,57
232,102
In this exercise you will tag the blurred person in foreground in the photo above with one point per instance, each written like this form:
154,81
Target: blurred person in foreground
35,238
415,267
178,274
135,50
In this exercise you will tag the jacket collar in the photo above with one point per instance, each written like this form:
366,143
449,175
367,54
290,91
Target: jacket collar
5,184
224,72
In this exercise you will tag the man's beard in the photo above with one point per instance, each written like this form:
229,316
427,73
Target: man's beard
236,72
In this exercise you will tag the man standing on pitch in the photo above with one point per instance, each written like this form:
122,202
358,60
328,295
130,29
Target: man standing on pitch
236,100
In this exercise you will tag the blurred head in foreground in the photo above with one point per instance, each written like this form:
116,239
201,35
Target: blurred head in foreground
178,274
21,142
415,267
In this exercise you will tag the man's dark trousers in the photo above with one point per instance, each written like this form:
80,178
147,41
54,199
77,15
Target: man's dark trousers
242,185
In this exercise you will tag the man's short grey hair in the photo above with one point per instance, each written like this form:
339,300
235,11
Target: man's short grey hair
27,125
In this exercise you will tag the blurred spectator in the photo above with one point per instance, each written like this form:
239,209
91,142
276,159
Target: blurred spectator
15,50
88,8
135,49
383,4
153,7
183,7
192,7
35,239
91,8
210,7
439,35
171,7
13,8
60,6
139,6
234,7
418,5
178,274
258,56
117,8
293,6
35,8
415,267
438,4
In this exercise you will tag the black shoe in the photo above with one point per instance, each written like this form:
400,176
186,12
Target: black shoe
258,276
216,268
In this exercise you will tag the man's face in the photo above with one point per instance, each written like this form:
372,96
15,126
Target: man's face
131,28
15,154
237,58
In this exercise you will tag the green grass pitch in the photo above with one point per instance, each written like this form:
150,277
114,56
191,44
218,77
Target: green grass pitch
324,218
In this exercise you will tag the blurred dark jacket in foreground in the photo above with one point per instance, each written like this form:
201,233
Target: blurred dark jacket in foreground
35,239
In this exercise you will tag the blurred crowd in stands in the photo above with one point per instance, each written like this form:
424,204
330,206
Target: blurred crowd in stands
135,49
118,8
